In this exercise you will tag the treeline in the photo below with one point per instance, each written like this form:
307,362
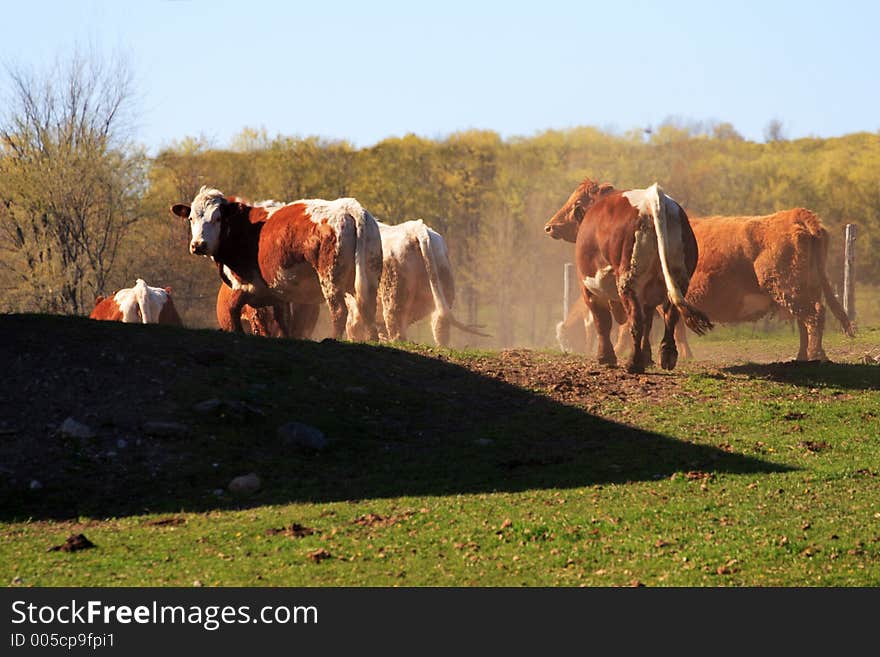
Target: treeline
488,196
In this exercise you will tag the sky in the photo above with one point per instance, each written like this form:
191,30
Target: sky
365,71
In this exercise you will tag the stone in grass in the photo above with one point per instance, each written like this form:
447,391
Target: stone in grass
245,484
297,434
212,405
165,429
70,428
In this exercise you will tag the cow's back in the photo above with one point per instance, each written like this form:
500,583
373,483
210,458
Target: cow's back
106,309
745,261
169,315
403,289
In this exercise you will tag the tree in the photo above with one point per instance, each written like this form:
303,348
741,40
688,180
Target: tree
70,182
773,131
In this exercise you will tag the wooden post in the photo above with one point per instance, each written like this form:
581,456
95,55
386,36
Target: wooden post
568,277
849,272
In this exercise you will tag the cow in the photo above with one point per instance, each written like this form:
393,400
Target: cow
282,320
577,332
751,266
300,252
141,304
634,251
417,281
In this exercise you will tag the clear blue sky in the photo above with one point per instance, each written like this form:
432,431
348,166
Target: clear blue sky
363,71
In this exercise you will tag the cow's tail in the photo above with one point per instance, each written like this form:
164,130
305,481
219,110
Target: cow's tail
695,319
145,307
820,255
367,247
441,307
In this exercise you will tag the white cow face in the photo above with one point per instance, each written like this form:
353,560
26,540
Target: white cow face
205,224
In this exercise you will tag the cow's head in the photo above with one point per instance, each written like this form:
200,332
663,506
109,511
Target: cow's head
565,223
205,220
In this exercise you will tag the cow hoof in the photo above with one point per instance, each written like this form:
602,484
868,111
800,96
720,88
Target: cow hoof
668,359
609,361
635,367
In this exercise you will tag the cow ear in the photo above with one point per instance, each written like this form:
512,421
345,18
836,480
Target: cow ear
99,299
168,290
180,210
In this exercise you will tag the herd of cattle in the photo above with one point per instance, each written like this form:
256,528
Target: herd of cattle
636,251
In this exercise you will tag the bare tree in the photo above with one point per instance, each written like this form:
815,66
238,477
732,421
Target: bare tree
773,131
70,182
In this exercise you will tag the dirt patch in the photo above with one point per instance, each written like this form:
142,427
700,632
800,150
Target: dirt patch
375,520
74,543
319,555
295,530
814,446
166,522
575,379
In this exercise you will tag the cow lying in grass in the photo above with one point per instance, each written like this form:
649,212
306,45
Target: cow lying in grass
141,304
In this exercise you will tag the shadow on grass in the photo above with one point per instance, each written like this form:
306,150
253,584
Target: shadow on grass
813,374
398,424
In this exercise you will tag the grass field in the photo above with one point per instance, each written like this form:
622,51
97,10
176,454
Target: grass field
450,468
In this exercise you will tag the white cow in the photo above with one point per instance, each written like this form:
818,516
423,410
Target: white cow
416,282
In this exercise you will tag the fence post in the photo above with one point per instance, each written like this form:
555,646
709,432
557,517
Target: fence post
567,282
849,272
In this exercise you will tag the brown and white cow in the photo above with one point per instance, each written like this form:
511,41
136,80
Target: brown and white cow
141,304
417,281
301,252
634,251
283,320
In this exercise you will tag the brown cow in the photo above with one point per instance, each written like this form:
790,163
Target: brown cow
750,266
141,304
634,251
283,320
300,252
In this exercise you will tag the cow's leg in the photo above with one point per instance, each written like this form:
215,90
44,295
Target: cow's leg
304,316
440,327
602,322
394,306
804,336
338,313
668,350
622,338
648,313
230,316
681,340
590,340
814,323
636,363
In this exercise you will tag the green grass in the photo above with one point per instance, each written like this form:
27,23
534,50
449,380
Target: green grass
742,474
